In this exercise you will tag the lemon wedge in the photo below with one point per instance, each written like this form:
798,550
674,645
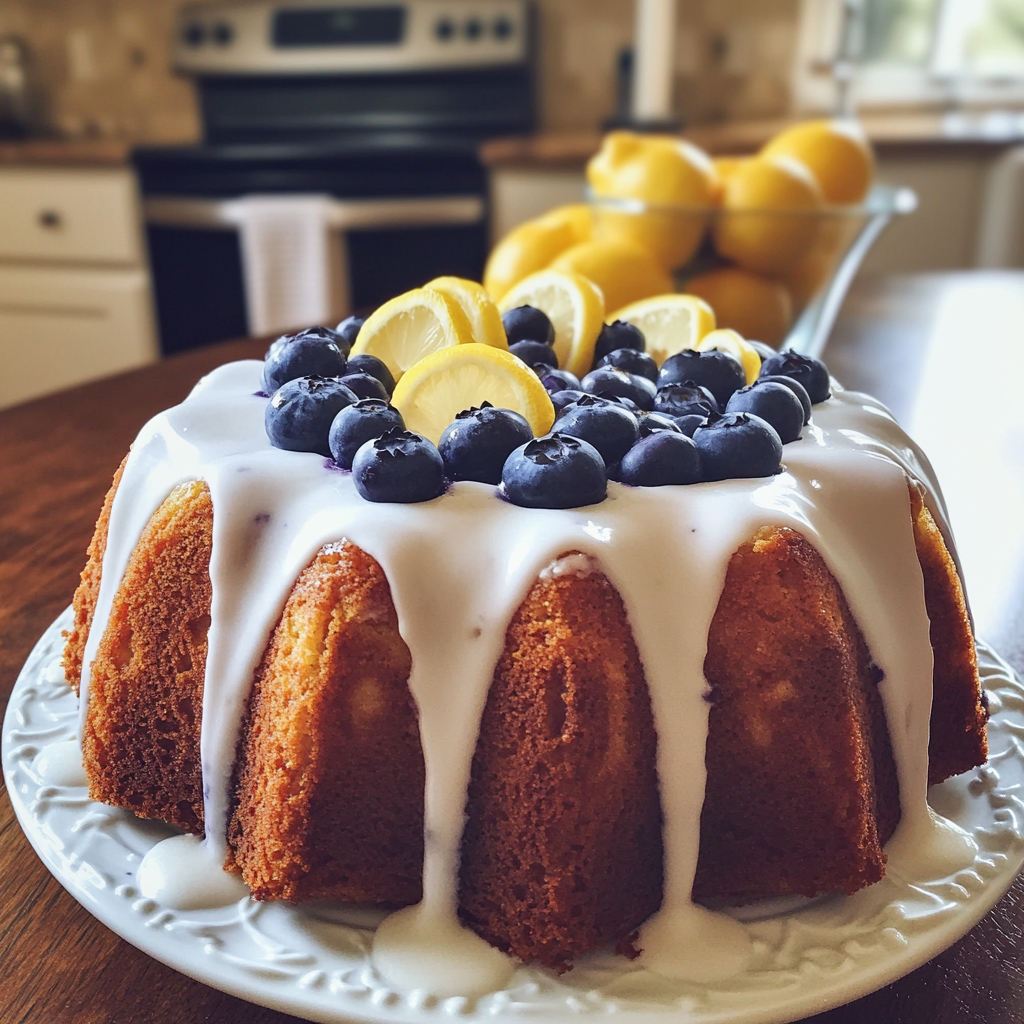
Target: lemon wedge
411,326
438,387
478,306
727,340
669,323
575,306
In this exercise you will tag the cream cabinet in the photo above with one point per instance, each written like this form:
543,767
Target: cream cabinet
75,296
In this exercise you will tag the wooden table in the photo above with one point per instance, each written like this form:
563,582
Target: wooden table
58,964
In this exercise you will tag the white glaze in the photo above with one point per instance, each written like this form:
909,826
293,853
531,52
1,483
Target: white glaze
60,764
459,566
424,947
183,873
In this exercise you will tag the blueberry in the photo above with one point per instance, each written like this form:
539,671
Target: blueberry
774,403
720,372
534,352
652,422
810,372
364,385
610,381
358,423
627,403
684,399
299,416
348,331
557,380
797,388
311,353
526,323
615,336
689,424
738,444
375,368
398,466
555,471
661,458
563,399
632,361
609,427
477,444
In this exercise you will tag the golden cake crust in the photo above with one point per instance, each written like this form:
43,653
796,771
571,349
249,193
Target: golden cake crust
801,789
141,741
959,711
329,777
84,602
562,847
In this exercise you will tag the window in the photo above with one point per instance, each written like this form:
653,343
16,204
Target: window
912,51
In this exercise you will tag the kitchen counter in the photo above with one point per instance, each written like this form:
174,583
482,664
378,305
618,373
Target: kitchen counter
952,131
894,335
65,152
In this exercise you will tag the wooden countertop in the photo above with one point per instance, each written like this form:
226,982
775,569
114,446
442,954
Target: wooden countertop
572,149
900,337
65,153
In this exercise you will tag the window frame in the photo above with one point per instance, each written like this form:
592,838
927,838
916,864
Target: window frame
940,83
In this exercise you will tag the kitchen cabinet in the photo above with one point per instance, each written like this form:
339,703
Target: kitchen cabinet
75,296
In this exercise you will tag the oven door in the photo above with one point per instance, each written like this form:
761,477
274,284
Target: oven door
397,215
213,281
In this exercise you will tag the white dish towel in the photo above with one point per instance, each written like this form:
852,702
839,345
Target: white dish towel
292,261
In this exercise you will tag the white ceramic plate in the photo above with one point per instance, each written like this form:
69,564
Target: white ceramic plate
312,960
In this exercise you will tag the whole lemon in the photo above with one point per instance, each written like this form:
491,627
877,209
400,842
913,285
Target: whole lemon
577,215
664,172
753,305
623,270
810,273
768,221
837,152
533,245
725,168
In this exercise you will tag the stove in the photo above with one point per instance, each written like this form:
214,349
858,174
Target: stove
367,116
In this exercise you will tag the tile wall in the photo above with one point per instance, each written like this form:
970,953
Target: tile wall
103,65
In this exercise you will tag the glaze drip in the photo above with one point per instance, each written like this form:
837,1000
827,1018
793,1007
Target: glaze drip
458,568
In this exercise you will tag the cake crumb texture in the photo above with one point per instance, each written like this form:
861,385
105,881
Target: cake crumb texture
562,850
801,790
84,602
141,740
330,776
959,713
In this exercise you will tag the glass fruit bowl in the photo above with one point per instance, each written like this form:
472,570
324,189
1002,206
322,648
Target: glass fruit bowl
776,275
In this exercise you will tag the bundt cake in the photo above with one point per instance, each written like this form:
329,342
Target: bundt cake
555,724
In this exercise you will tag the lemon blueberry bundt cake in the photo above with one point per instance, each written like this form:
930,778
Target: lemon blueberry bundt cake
539,691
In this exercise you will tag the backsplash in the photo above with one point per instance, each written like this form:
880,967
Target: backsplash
104,65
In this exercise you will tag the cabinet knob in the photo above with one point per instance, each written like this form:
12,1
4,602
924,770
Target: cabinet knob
51,220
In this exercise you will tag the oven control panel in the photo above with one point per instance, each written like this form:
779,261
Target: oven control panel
363,36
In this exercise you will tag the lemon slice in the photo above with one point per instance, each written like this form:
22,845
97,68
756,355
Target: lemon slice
411,326
669,323
727,340
437,388
478,306
575,307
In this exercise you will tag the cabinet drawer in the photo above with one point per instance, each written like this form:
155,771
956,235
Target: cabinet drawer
69,216
62,326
